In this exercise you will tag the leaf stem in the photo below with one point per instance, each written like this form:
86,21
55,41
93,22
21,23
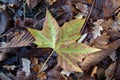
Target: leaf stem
88,16
46,61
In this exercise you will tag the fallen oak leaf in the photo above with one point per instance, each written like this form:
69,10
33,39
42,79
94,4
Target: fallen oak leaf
96,57
63,41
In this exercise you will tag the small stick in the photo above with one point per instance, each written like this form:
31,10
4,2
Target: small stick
46,61
88,16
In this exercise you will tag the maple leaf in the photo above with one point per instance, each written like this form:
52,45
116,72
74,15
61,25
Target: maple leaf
63,41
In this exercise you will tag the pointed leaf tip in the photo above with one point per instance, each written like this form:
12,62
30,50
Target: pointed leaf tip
62,40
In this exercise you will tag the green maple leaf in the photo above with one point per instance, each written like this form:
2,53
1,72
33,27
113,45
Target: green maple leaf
63,41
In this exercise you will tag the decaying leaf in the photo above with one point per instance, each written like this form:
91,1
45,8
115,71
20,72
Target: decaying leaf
20,75
115,4
4,77
83,8
107,8
55,75
97,28
116,23
107,24
63,41
101,41
50,2
109,72
95,58
22,39
113,56
26,66
112,24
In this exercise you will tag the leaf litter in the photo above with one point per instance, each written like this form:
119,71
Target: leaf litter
99,28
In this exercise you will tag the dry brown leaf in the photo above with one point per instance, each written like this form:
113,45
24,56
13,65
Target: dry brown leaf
20,75
109,72
107,8
97,28
116,26
42,76
115,4
82,7
107,24
31,3
3,76
50,2
117,73
101,41
95,58
113,56
100,73
83,10
116,23
111,24
55,75
113,34
28,22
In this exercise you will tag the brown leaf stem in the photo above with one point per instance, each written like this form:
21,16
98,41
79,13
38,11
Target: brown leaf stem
88,16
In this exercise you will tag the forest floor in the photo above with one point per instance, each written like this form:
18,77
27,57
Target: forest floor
21,59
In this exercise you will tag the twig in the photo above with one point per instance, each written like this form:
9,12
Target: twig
46,61
24,7
88,16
